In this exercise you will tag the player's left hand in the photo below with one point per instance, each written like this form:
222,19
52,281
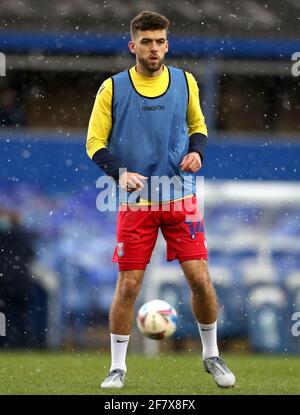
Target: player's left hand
191,162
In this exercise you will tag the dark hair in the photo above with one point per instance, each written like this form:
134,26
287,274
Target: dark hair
147,20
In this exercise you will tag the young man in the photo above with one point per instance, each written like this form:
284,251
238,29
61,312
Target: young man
149,121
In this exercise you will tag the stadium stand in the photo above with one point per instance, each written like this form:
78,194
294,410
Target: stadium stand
251,102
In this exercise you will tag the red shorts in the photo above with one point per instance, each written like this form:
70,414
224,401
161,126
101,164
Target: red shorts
137,230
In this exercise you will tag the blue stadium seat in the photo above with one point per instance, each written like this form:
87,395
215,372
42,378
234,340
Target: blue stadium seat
268,319
231,218
292,286
286,221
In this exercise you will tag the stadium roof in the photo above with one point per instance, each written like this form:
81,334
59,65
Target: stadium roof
214,18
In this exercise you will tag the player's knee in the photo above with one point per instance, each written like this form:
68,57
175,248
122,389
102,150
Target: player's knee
199,281
130,288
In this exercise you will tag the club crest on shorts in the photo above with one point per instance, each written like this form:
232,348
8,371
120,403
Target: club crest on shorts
120,249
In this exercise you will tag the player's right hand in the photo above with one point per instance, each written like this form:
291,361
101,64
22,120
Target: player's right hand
131,181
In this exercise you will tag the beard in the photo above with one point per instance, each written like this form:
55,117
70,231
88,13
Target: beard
151,66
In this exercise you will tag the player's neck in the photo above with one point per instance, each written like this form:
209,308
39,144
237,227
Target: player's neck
144,72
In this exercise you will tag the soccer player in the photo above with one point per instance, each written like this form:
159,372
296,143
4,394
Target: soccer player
148,120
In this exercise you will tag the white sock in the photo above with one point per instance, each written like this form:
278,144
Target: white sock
208,334
118,344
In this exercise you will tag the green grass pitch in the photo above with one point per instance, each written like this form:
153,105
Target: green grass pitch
65,373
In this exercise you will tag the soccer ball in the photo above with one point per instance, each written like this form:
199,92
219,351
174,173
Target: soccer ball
157,319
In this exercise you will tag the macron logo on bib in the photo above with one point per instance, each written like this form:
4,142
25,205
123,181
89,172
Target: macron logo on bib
154,108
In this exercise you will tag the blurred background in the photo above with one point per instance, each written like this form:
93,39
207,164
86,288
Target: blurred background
56,275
